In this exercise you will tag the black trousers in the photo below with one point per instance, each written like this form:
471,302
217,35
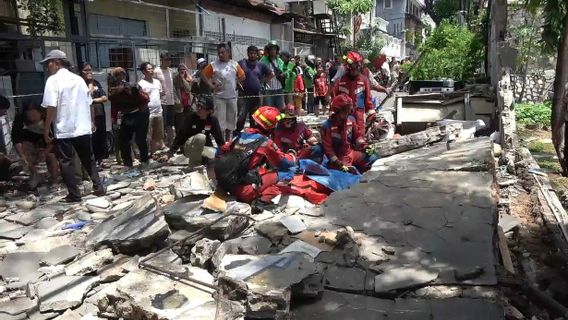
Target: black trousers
134,124
247,106
100,138
83,147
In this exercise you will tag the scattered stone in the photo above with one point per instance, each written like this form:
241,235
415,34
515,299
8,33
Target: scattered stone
30,217
114,195
506,183
60,255
388,250
139,227
187,214
149,185
508,222
167,199
403,278
255,245
99,202
265,215
21,266
264,283
146,295
12,231
203,251
116,270
26,205
89,263
119,208
64,292
194,183
118,185
84,216
293,223
438,292
17,306
273,230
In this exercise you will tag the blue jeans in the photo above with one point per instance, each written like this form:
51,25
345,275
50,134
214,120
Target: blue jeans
274,101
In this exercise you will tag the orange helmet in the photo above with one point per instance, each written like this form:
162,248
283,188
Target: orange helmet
267,117
354,57
341,103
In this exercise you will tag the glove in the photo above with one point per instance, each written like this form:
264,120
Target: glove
370,151
371,116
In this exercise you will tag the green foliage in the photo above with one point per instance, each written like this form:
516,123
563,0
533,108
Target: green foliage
554,13
444,10
453,51
368,43
350,6
533,114
44,16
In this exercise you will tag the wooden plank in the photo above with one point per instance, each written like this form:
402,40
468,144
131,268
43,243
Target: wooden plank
505,253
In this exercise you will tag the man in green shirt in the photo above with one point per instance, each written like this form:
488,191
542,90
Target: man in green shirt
309,77
290,69
274,87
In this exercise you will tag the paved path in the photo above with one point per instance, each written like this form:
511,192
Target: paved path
426,219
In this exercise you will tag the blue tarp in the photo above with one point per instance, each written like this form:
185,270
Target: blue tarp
333,179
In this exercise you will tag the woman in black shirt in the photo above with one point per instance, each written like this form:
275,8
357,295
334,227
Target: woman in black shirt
99,96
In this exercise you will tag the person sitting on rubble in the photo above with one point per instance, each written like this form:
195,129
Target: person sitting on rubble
197,133
248,166
291,134
27,137
342,143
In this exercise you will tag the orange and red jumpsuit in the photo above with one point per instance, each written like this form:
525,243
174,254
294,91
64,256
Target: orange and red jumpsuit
298,138
266,160
338,139
359,90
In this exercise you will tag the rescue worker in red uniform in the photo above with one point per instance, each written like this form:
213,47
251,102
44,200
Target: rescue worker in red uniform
342,143
291,134
356,86
264,161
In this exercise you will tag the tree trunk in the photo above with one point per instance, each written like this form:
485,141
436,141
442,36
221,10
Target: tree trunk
558,108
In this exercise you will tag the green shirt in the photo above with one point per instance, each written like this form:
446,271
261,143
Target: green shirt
290,77
309,76
274,83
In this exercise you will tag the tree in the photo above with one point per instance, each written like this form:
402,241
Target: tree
44,16
349,8
555,39
453,51
441,10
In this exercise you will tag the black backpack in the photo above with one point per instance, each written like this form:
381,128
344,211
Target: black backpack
231,169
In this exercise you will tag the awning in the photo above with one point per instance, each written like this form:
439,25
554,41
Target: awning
268,5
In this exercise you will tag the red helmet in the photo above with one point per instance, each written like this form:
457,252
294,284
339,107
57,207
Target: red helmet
354,57
267,117
341,103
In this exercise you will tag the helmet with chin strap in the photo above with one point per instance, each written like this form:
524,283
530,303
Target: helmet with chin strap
267,117
341,103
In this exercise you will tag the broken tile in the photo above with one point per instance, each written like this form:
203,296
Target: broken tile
21,265
60,255
203,251
64,292
293,223
12,231
89,263
17,306
508,222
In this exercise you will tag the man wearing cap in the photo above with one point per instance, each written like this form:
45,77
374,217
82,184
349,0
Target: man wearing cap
274,96
68,102
255,75
165,76
198,132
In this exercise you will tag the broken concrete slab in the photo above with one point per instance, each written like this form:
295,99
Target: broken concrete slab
140,227
17,306
22,266
342,306
30,217
273,230
118,186
508,222
64,292
117,269
346,279
254,245
187,214
294,224
12,231
146,295
99,202
89,263
194,183
60,255
403,278
265,283
203,251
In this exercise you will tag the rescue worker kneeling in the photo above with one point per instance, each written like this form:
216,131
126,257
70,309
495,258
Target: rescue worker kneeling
248,166
342,142
196,132
291,134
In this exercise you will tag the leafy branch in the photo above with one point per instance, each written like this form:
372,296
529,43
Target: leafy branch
43,16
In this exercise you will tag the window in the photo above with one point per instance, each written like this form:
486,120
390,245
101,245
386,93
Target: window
388,4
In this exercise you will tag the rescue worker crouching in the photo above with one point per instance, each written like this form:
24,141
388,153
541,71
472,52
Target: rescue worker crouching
342,142
197,133
291,134
248,166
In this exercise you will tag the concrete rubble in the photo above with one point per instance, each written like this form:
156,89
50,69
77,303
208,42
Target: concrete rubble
408,242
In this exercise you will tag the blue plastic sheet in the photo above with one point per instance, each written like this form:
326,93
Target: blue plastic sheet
333,179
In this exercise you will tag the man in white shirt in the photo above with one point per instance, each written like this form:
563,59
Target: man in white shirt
153,88
68,102
165,75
